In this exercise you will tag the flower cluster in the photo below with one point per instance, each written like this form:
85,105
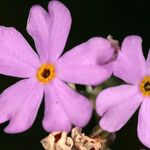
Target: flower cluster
48,72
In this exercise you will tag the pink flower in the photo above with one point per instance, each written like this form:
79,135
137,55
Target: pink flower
117,104
46,73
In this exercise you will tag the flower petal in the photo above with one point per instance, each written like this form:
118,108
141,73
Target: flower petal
117,114
109,98
85,64
77,108
19,104
55,117
49,30
143,122
148,62
38,27
16,56
130,64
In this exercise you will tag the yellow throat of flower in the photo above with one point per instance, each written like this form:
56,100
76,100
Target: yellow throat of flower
145,86
46,73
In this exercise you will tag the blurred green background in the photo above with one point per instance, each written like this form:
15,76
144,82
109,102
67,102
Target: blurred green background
90,18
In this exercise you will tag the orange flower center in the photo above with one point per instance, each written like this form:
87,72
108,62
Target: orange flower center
145,86
46,73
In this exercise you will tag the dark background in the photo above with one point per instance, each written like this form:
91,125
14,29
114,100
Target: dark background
90,18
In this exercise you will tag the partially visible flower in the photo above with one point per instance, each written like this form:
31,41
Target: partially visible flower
117,104
47,73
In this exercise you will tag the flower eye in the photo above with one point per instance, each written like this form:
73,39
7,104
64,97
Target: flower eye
46,73
145,86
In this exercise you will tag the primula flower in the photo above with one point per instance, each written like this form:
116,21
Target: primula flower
47,73
117,104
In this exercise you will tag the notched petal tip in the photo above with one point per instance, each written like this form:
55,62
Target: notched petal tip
35,11
59,10
11,130
49,29
55,4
